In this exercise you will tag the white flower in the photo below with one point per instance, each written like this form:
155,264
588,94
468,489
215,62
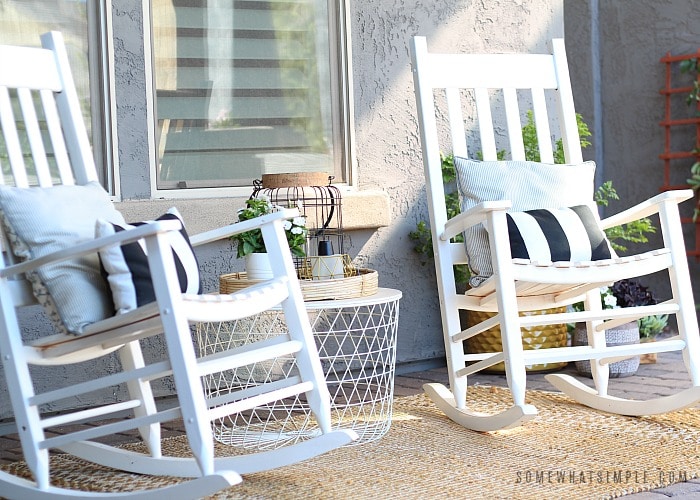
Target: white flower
263,196
300,205
297,230
299,221
287,225
610,301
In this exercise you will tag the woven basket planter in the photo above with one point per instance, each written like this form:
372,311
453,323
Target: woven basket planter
535,337
363,284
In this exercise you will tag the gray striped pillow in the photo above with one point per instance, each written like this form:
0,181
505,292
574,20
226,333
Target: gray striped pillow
528,185
40,221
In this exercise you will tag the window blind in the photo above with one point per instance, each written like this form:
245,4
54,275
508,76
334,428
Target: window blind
243,88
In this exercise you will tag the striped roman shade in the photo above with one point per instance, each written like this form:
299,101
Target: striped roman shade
528,185
243,88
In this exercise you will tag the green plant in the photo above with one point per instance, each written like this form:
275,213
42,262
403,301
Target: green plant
630,293
532,151
633,232
651,326
252,241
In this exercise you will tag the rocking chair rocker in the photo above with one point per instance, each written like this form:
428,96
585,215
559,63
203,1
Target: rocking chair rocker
51,203
518,261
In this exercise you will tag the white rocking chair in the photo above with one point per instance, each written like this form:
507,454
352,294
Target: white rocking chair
447,84
51,172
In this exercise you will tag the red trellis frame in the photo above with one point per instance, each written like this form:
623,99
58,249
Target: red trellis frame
669,124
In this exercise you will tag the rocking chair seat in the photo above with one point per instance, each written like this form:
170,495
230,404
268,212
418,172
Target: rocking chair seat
141,322
553,284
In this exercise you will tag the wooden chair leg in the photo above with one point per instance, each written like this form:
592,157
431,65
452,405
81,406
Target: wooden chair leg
132,358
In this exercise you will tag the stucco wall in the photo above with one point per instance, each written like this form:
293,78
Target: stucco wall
632,36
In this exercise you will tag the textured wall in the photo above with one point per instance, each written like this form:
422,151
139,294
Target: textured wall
387,142
633,36
130,88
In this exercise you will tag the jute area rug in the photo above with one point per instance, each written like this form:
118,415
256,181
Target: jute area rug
567,451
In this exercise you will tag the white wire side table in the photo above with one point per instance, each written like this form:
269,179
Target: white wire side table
356,339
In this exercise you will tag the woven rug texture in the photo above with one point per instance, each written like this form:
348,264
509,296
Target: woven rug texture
567,451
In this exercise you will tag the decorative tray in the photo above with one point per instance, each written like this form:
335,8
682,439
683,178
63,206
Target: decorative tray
362,284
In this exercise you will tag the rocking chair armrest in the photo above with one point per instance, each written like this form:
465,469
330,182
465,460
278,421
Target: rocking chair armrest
471,217
242,227
93,246
646,208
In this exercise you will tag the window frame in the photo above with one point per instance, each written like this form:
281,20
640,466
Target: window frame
341,89
102,94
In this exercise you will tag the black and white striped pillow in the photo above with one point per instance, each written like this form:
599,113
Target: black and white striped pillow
557,234
127,268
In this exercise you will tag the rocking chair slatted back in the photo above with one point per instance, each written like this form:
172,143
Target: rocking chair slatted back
38,94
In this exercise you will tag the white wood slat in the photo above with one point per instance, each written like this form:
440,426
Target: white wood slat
90,413
24,75
541,117
456,120
67,102
58,144
481,365
476,329
252,390
519,70
261,399
12,143
229,360
515,136
111,428
567,111
148,372
483,111
36,139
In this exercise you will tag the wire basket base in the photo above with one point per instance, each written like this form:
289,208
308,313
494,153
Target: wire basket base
357,348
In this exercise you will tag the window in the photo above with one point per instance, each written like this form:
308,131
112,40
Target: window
247,87
82,23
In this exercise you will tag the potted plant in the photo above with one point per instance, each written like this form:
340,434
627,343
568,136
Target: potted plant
250,245
623,293
632,292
